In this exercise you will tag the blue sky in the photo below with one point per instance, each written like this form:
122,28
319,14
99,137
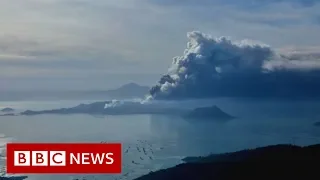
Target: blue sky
97,44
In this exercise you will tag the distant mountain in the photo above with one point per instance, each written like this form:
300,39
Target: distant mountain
7,109
211,112
130,90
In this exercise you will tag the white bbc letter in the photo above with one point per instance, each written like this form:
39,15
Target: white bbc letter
39,158
109,158
57,158
21,158
85,156
74,158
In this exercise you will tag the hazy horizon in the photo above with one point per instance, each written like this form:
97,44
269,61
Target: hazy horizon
111,81
82,44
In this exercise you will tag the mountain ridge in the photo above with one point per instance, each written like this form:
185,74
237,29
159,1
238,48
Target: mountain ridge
270,162
128,90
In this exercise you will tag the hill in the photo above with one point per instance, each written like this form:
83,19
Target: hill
212,112
7,109
271,162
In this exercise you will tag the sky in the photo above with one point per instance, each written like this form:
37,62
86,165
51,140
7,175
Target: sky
86,44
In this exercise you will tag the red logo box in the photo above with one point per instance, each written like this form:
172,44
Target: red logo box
61,158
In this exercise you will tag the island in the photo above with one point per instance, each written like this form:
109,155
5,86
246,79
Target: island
98,108
8,114
7,109
126,108
209,113
270,162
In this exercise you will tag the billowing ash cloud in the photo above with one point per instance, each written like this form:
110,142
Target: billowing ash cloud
212,67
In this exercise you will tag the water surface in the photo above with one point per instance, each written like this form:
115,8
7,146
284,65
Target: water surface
167,139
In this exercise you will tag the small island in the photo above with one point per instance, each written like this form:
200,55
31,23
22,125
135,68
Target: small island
8,114
7,109
212,112
13,177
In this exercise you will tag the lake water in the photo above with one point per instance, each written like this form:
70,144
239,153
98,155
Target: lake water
259,123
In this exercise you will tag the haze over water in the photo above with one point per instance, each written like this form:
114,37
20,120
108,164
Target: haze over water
168,139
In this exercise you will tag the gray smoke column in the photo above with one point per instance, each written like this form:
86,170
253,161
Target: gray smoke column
215,67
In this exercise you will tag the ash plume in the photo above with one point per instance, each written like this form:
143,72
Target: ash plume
215,67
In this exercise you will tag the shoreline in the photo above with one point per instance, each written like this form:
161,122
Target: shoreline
275,161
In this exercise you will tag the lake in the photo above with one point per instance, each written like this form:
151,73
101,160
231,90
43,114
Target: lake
167,139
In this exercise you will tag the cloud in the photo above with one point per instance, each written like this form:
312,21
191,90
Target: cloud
212,67
56,35
296,59
78,37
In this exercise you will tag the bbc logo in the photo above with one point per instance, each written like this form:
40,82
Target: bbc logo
39,158
62,158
